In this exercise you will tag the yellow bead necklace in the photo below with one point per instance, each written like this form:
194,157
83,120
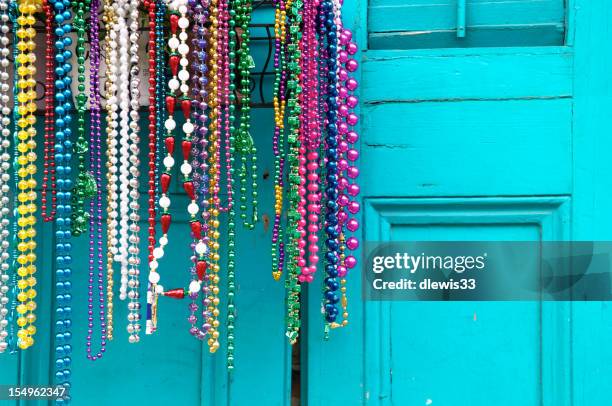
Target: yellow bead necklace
26,169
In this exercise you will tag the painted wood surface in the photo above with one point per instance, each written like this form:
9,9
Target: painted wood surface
402,24
534,124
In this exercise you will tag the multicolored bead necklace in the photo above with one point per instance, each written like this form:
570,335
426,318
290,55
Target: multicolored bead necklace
178,82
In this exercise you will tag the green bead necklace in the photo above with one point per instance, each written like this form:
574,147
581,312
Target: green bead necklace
292,285
244,142
85,187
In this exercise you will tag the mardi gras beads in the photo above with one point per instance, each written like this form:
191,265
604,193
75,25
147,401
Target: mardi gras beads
49,179
26,133
179,82
133,294
292,285
85,186
63,234
110,46
95,206
5,167
244,144
279,102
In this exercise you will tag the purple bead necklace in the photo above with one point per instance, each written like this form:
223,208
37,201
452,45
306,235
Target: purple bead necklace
280,81
95,205
200,155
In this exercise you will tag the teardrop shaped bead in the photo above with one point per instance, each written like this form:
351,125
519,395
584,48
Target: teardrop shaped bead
170,104
169,141
189,189
165,182
166,219
186,150
175,293
201,269
196,229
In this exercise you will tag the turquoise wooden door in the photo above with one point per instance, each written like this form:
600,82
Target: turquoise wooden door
481,120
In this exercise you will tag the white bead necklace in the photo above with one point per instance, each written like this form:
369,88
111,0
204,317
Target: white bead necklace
5,165
177,83
133,327
123,97
112,152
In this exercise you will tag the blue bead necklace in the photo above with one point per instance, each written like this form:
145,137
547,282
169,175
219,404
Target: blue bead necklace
328,29
12,337
63,156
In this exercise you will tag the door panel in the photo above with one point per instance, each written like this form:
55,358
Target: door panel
470,148
460,344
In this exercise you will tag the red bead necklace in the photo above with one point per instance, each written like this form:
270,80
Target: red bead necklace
151,7
49,145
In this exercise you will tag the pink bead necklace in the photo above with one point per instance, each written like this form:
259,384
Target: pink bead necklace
310,196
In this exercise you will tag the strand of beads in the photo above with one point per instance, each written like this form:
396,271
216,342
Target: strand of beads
95,205
26,169
63,235
293,216
151,7
244,142
111,107
49,145
280,82
311,140
85,186
123,95
214,169
133,294
153,89
199,279
160,97
328,29
12,315
178,55
5,177
348,209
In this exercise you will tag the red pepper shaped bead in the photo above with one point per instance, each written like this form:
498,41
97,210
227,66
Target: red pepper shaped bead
175,293
170,104
201,269
186,150
174,62
165,182
166,219
186,107
189,189
174,18
196,229
169,141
